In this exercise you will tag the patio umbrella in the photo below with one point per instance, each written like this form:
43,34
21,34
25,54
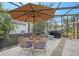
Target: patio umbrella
32,13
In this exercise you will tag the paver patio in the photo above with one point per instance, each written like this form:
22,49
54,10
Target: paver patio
71,48
55,47
51,44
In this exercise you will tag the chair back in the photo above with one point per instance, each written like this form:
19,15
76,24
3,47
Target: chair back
23,42
40,45
42,35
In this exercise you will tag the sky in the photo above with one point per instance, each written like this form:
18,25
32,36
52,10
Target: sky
9,6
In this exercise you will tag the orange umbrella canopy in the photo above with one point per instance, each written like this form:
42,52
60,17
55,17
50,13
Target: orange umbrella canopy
32,13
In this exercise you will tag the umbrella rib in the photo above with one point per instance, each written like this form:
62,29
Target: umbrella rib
40,16
43,9
38,10
28,16
22,14
30,6
32,12
45,14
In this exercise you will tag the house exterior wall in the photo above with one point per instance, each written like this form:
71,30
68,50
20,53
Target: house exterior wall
20,28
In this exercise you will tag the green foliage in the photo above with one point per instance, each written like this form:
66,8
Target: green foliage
1,9
5,23
5,27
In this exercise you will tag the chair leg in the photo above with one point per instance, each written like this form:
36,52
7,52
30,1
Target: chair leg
33,52
29,51
20,51
45,52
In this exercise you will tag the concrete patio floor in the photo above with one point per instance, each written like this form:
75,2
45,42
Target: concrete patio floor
55,47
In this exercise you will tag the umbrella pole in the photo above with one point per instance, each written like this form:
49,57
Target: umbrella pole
28,29
34,28
34,24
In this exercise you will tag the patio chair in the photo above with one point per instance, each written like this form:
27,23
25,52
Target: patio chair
25,43
40,45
